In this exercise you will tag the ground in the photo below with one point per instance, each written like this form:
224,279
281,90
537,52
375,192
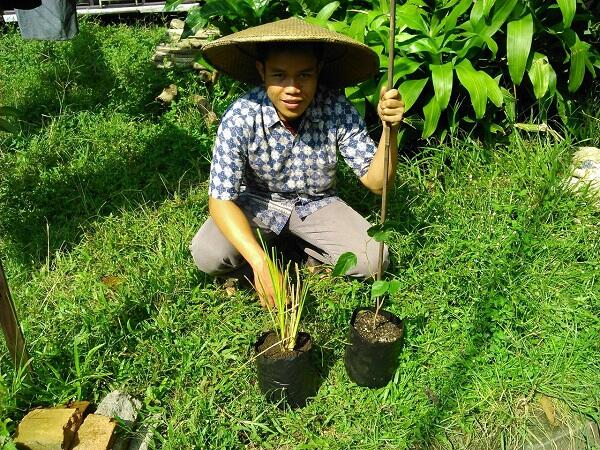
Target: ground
103,189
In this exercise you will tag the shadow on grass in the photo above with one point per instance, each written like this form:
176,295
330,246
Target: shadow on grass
76,76
97,157
48,213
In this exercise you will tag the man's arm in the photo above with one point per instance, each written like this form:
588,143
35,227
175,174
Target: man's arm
234,225
390,111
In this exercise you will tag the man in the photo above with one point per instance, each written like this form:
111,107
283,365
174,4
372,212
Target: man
274,159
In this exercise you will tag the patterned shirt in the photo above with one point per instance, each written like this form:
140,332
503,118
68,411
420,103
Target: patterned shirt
269,171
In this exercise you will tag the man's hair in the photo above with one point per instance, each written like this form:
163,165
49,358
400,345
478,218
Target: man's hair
266,49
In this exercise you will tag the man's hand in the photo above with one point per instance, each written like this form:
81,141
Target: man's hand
391,107
264,285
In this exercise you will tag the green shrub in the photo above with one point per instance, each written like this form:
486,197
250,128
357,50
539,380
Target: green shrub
448,51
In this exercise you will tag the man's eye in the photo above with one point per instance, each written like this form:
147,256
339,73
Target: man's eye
277,75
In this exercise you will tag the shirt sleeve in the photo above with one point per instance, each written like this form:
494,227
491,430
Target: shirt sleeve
229,157
354,142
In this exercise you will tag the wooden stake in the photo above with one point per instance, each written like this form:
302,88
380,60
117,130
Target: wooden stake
386,132
10,324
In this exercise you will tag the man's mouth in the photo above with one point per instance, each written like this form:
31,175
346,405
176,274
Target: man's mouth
292,104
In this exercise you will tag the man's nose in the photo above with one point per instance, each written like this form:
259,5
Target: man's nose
293,83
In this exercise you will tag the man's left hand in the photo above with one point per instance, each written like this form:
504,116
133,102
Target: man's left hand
391,107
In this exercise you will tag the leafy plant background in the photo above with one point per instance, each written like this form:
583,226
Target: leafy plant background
459,62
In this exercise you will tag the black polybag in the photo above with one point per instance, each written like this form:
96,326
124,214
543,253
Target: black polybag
372,364
287,380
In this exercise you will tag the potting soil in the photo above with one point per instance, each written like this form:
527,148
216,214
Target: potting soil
384,331
273,350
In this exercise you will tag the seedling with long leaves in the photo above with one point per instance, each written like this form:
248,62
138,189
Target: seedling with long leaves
289,298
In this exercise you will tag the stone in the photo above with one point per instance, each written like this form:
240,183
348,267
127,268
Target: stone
125,409
177,24
48,429
142,438
578,436
96,433
586,170
166,97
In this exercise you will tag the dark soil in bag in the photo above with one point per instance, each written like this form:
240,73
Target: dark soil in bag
371,356
286,377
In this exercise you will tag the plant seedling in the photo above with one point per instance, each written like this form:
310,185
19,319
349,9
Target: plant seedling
289,299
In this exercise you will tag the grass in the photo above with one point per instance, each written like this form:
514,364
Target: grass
103,189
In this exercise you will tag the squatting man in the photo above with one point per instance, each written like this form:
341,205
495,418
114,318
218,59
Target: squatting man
274,158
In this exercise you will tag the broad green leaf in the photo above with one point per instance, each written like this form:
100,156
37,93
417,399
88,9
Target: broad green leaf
493,89
473,83
487,6
476,13
422,45
345,262
404,66
374,99
411,17
518,46
384,6
567,8
379,288
380,233
442,76
452,17
509,105
410,90
539,74
171,5
328,10
432,113
490,43
579,56
499,16
357,27
357,98
194,21
394,286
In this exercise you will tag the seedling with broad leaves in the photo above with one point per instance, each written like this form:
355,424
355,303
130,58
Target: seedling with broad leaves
379,288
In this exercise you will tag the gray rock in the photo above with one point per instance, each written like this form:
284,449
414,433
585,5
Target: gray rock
125,409
141,440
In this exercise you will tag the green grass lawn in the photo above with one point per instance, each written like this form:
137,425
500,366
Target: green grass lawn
103,189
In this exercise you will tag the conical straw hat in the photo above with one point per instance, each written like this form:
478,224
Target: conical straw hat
346,61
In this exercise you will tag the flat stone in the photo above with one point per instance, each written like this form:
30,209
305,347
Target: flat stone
581,436
177,24
48,429
586,170
587,154
96,433
123,407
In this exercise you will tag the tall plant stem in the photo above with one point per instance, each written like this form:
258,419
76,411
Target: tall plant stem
386,155
10,326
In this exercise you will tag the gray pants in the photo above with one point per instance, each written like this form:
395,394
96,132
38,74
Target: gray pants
327,233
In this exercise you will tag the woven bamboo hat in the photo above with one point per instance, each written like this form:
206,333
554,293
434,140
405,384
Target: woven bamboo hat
346,61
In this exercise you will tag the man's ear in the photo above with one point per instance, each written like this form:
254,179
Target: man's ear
261,69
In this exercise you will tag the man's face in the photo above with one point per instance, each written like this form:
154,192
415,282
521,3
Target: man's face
291,81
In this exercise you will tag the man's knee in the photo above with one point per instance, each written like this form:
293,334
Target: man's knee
212,258
367,261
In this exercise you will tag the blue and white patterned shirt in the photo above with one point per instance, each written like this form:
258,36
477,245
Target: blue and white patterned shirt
269,171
